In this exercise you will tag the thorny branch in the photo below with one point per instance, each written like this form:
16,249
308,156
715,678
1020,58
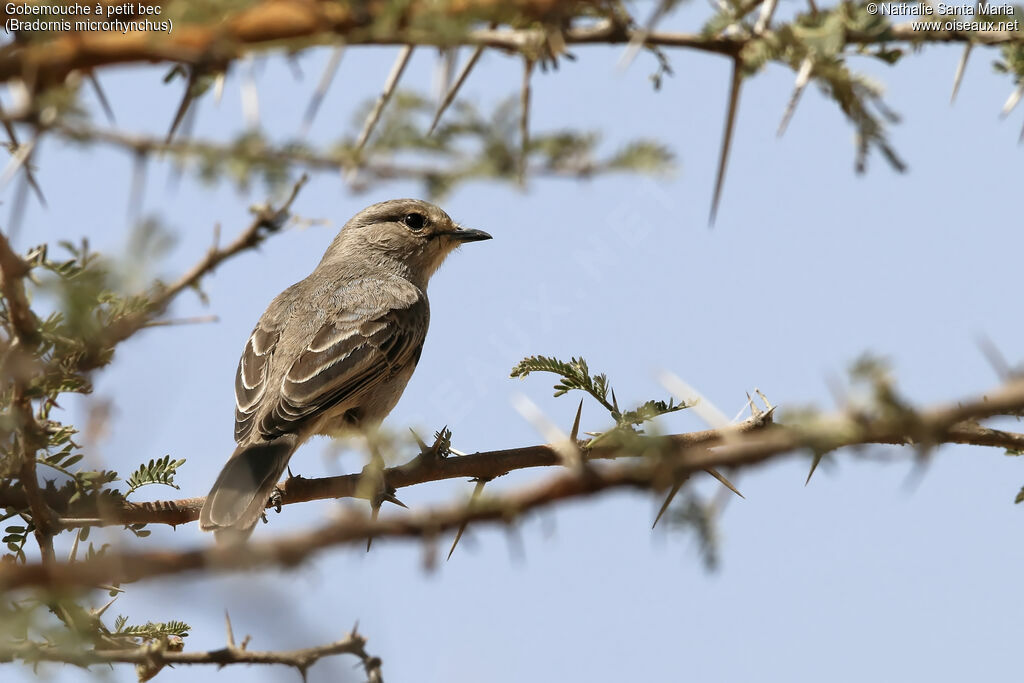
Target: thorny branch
421,470
313,160
269,24
663,466
266,221
18,364
484,466
157,655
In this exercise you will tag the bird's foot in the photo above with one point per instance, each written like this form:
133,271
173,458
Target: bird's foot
277,499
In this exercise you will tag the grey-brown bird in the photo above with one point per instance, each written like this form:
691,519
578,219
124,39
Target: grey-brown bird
333,352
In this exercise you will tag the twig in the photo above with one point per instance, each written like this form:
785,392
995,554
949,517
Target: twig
19,366
13,270
154,657
267,221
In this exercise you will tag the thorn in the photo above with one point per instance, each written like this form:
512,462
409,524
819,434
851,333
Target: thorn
765,18
390,498
803,77
250,95
138,185
764,399
754,410
615,403
449,96
231,632
575,432
99,612
958,76
293,63
18,207
1012,101
668,501
389,88
704,409
730,122
321,89
444,70
100,95
218,87
568,451
462,527
74,547
639,39
524,120
915,476
725,482
374,513
186,100
514,538
995,358
19,158
424,448
814,465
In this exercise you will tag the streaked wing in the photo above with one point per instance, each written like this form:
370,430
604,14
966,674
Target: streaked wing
251,378
345,359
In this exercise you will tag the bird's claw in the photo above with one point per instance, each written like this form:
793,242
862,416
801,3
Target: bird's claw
277,499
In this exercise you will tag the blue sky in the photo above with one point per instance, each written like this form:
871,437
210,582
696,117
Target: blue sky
856,576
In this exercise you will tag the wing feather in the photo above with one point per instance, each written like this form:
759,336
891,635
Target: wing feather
355,350
251,378
361,356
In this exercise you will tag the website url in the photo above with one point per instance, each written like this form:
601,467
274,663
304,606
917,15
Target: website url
967,25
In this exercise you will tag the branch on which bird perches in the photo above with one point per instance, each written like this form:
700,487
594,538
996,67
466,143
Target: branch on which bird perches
668,460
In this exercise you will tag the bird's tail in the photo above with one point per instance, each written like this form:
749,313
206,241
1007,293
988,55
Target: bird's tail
240,493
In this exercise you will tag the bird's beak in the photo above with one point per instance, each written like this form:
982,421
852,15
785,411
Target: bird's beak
461,234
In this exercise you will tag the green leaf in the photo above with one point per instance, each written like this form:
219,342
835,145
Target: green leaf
160,471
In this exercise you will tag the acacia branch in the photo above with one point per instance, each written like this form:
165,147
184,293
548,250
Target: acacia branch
485,466
295,24
19,366
482,466
267,220
153,657
664,466
276,23
13,270
309,159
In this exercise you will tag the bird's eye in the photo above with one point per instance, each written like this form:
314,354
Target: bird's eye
415,221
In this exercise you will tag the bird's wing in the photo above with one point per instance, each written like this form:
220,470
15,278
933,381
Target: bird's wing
348,355
251,378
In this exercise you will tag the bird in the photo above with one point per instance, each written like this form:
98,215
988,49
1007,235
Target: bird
332,353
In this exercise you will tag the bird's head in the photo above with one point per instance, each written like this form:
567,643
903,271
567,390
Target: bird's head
412,233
